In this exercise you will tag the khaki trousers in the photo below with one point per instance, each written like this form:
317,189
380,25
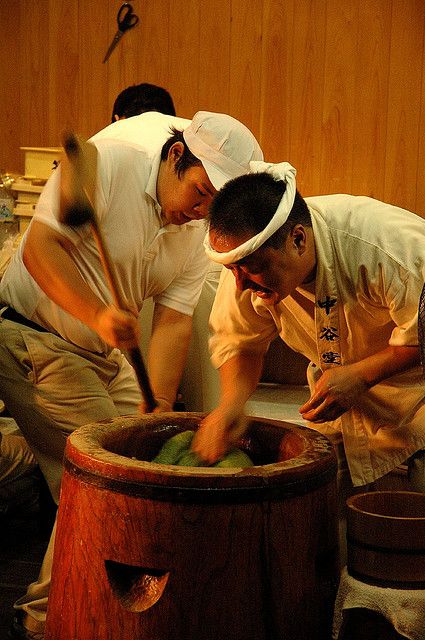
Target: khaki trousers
18,474
51,387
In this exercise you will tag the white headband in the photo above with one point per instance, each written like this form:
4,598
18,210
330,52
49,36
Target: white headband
281,171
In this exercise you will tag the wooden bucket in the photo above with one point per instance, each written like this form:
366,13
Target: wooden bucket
159,552
386,538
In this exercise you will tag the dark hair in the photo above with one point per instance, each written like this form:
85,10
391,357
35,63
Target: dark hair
140,98
245,205
187,159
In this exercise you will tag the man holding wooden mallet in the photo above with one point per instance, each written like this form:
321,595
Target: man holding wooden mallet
61,335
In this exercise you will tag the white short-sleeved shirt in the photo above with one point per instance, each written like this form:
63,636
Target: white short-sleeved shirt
150,130
165,262
373,254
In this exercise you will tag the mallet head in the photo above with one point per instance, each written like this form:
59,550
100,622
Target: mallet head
78,180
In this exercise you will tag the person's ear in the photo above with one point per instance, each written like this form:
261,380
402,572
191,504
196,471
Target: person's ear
299,237
175,152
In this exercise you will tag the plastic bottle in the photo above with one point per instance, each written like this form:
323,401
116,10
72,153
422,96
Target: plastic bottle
7,201
9,225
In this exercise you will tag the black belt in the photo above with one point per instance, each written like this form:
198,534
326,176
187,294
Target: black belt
10,314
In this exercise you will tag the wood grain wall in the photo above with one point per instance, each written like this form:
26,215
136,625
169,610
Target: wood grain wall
337,87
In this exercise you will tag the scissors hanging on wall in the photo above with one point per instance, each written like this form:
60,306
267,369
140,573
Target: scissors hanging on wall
126,20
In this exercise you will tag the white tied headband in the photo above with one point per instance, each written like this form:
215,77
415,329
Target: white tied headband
281,171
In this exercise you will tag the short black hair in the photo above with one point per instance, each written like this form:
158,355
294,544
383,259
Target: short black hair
245,205
140,98
187,159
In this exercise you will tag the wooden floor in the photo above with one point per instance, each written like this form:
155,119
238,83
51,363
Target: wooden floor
23,541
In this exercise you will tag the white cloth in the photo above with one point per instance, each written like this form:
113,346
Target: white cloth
281,171
370,266
167,263
404,608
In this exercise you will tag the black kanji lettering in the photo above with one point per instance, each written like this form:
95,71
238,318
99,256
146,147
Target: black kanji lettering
330,357
329,333
327,304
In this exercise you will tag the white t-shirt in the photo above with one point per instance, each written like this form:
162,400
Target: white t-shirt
165,262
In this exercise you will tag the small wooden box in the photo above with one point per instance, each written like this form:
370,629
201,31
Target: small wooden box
40,161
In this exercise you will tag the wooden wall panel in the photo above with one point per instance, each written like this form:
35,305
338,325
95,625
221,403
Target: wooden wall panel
371,94
184,55
420,191
245,62
10,83
276,112
153,44
403,107
337,87
34,50
94,110
214,62
339,96
64,68
306,105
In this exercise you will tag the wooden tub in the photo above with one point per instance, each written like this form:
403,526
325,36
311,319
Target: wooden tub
386,538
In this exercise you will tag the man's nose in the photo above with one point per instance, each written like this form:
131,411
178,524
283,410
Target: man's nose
242,282
201,209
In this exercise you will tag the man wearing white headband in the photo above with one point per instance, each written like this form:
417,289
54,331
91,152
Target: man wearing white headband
338,277
61,364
